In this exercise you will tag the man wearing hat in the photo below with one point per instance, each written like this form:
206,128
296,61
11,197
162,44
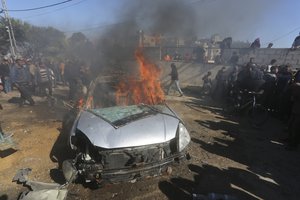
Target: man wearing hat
20,77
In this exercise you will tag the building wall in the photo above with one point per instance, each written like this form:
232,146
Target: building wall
190,74
263,56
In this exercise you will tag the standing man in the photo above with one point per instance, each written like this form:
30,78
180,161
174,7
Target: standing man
43,79
72,75
32,69
206,88
221,84
199,53
272,63
294,128
234,59
20,77
4,74
174,79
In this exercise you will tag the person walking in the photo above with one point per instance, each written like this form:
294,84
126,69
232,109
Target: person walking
20,78
174,79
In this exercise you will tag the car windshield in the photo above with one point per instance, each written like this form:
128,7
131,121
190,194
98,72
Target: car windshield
117,113
117,110
121,115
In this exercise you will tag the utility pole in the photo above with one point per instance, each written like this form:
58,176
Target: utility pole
9,28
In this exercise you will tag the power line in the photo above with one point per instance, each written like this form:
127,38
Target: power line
286,34
62,8
94,27
202,1
37,8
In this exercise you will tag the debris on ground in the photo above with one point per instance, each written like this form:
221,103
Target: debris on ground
6,141
39,190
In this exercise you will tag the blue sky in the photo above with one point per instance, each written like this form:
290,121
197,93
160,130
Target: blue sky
274,21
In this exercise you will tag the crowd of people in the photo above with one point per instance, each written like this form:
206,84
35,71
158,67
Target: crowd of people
279,83
279,86
40,76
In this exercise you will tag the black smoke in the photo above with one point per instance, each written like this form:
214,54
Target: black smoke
171,18
184,19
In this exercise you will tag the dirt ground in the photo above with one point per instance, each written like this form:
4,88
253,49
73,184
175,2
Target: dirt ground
228,155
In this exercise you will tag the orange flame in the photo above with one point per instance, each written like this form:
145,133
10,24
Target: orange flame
147,89
80,103
167,58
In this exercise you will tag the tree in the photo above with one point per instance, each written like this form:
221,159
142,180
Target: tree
46,40
33,40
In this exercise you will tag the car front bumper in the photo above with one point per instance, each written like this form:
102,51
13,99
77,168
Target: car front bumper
93,173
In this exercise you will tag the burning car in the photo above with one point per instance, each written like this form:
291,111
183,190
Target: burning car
116,142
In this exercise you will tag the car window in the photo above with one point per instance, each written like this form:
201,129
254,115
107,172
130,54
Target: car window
113,114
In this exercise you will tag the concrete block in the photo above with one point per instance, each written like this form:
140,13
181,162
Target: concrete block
270,51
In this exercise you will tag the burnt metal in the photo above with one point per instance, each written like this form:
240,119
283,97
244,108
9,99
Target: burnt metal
115,143
128,163
22,175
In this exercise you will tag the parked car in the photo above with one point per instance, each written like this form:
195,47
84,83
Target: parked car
116,143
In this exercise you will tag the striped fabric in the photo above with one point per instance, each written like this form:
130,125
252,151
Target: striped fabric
44,75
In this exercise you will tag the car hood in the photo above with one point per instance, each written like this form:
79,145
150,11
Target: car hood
153,128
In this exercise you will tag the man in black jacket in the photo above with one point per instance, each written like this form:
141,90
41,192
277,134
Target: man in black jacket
174,79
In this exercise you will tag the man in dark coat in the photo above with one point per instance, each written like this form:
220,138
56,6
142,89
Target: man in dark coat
174,79
20,78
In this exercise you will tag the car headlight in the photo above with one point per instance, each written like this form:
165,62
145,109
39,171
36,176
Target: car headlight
183,137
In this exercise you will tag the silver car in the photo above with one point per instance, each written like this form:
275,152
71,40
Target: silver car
122,143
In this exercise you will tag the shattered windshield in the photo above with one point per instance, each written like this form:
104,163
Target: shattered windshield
104,102
121,115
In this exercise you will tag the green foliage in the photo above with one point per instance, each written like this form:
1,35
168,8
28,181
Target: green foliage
49,42
46,40
33,40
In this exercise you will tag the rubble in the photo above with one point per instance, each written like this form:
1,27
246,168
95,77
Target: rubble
39,190
6,141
